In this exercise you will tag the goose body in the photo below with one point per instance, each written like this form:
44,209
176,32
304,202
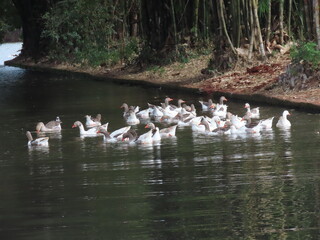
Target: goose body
52,126
93,122
89,132
115,136
130,136
255,112
155,132
206,105
267,123
145,138
131,118
283,122
42,141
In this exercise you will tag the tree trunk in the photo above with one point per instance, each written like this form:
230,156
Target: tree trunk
258,30
195,20
31,12
289,17
174,26
156,20
252,27
268,23
308,22
224,28
316,21
236,24
281,20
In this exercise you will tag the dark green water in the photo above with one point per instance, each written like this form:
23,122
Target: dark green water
191,187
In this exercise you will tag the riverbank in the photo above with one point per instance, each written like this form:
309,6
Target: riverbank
252,81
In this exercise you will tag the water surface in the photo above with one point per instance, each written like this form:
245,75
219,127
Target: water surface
192,187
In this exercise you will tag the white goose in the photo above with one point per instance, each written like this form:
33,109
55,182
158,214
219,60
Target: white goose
255,112
93,122
283,122
221,109
155,132
145,138
43,141
164,132
89,132
206,106
267,123
131,118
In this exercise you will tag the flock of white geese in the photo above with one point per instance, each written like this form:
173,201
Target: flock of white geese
216,121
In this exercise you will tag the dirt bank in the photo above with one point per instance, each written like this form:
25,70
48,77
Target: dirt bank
255,82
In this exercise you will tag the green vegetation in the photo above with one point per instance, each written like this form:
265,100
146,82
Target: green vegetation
8,18
81,32
307,53
147,33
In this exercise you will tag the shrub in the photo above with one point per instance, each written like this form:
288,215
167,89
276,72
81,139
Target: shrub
306,52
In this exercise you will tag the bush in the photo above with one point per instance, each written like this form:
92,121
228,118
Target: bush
83,32
306,52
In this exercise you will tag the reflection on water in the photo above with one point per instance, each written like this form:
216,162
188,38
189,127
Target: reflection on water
194,186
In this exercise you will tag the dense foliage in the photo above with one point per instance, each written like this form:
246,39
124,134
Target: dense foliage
306,52
8,18
105,32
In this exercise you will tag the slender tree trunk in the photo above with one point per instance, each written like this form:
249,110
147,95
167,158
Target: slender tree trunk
316,21
236,24
268,23
258,30
281,20
224,28
308,22
252,27
174,26
289,17
219,17
195,20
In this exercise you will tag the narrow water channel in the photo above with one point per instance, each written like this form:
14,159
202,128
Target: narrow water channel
264,186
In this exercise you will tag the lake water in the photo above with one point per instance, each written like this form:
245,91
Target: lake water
190,187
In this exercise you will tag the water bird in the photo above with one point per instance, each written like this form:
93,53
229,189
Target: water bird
52,126
90,131
93,122
42,141
283,122
255,112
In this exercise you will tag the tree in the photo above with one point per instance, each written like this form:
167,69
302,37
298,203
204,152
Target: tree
316,21
31,12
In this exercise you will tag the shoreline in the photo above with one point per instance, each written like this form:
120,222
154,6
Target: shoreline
115,77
